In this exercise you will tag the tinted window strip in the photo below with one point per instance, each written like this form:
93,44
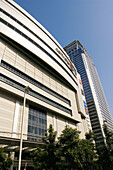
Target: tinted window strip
33,34
36,25
36,37
33,42
34,93
33,81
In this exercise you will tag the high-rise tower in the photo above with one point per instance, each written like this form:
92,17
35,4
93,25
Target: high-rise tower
96,102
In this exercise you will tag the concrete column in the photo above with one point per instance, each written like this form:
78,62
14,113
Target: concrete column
15,122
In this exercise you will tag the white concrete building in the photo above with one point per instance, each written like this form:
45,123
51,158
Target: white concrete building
30,56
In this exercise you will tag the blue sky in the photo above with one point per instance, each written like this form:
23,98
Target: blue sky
89,21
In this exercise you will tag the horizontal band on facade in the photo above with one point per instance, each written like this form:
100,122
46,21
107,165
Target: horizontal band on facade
34,94
25,27
37,45
34,82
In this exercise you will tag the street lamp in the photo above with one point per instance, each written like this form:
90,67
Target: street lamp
26,89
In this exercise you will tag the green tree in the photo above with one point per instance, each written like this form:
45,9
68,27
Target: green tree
69,152
76,154
68,141
46,157
5,161
105,151
90,136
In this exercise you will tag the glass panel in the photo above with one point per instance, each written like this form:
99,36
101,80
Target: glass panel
35,123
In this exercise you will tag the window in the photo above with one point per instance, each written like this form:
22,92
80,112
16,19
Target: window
34,94
33,81
82,92
33,42
37,123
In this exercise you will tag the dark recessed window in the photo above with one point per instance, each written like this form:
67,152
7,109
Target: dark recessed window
37,123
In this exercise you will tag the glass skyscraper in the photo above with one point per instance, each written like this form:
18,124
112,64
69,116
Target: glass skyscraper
96,102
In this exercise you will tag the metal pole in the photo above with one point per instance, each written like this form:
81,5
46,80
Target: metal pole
21,138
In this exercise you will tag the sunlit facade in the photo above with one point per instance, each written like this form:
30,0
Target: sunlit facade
30,56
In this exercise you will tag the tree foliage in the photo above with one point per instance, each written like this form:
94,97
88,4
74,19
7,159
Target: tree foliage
105,152
68,142
46,157
67,153
5,161
78,153
70,152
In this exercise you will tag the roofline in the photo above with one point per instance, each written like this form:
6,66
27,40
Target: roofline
35,21
76,41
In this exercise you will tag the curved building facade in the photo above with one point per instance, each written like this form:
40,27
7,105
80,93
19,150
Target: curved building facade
30,56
